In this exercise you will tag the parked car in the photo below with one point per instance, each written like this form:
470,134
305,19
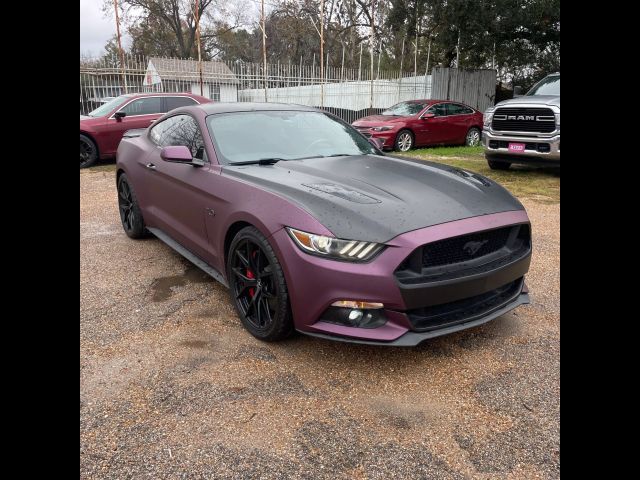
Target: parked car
419,123
314,229
525,129
102,129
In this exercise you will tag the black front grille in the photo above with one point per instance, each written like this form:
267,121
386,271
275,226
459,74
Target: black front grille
539,120
470,254
465,247
460,311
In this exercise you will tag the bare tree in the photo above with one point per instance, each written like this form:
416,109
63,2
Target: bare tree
170,25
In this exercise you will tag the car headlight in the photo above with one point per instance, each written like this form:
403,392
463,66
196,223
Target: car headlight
383,128
487,116
336,248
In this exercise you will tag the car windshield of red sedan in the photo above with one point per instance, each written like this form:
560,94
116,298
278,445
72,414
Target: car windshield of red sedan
102,110
404,109
246,137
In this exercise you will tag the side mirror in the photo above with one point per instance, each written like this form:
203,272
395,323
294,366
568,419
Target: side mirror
179,154
376,142
426,116
517,91
119,116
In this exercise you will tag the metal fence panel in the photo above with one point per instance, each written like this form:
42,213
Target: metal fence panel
476,88
347,93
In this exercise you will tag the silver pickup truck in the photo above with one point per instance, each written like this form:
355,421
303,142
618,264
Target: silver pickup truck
526,128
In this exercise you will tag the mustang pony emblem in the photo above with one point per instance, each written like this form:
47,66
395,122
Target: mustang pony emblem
470,248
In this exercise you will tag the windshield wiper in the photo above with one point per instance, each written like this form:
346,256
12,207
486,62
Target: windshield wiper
345,154
262,161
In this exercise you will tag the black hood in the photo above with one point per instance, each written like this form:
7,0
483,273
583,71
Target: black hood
376,198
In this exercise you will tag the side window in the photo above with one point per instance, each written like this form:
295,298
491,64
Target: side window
143,106
175,102
457,109
215,92
180,130
157,132
439,110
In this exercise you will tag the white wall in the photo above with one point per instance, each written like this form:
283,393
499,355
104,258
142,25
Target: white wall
347,95
195,89
228,93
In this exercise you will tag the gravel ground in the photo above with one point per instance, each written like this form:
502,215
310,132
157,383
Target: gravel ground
171,385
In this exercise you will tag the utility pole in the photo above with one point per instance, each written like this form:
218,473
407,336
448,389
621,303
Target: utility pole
415,56
401,73
264,53
493,58
321,53
360,64
371,52
300,72
426,70
458,51
124,77
197,15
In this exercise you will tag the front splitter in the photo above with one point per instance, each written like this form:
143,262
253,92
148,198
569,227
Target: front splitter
411,339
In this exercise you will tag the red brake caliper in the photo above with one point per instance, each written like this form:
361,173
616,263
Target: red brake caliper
251,289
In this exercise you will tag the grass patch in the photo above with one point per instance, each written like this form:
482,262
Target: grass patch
537,183
460,151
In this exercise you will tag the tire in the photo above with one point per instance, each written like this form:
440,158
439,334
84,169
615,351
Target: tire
130,214
254,272
472,139
498,165
404,141
88,152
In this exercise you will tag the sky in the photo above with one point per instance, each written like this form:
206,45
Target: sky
95,28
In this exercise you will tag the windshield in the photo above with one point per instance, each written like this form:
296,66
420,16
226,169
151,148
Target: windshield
547,86
284,135
107,107
405,109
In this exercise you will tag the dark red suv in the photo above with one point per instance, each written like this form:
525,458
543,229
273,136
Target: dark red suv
102,130
423,122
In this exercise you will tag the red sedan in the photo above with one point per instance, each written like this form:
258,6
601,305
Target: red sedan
102,130
423,122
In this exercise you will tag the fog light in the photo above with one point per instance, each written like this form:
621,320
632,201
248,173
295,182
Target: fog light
355,317
357,304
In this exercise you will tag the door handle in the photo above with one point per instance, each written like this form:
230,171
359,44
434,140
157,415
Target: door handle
151,166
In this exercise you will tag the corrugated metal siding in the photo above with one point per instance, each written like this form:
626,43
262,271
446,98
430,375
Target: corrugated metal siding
476,88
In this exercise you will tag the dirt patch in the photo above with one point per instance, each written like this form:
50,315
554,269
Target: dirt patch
172,386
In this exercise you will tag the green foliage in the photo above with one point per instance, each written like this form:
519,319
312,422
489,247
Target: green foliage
521,36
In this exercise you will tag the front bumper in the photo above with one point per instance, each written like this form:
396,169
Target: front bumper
388,137
411,339
496,145
314,283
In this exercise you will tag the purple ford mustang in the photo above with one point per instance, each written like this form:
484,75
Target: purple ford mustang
313,228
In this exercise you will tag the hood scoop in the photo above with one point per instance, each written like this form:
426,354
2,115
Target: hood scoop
342,192
471,177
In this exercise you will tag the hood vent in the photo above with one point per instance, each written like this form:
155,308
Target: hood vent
342,192
472,177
